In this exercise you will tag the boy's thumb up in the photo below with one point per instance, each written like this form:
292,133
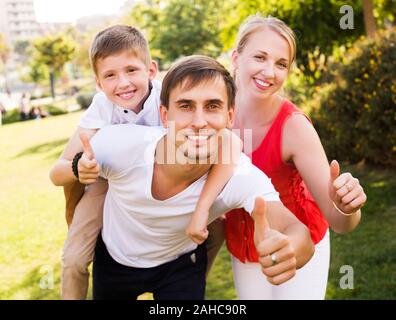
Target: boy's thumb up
261,225
87,146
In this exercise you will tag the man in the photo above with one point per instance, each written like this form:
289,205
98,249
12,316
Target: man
155,177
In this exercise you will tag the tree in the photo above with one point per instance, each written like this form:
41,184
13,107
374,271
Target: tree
316,23
38,73
189,27
21,49
369,21
146,16
4,56
81,63
54,51
176,28
384,13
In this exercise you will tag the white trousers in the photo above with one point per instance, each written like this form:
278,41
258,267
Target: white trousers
309,283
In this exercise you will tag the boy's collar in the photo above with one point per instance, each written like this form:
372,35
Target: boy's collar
149,93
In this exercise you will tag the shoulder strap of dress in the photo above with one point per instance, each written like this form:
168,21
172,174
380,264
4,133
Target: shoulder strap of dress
289,109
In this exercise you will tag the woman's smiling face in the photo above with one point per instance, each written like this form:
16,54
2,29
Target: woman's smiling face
263,64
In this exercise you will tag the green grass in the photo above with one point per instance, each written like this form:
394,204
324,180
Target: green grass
33,228
371,248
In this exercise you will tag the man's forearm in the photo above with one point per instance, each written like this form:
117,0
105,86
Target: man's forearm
301,241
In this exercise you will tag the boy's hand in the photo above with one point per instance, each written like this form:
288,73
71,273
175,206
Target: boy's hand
276,255
345,190
197,229
88,167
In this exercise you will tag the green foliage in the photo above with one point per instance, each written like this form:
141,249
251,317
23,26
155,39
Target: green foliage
81,63
38,73
53,52
355,110
54,110
21,48
192,26
303,82
13,115
85,99
316,23
177,28
384,12
146,16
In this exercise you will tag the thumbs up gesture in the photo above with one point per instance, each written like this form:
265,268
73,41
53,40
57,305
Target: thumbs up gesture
88,167
345,190
276,255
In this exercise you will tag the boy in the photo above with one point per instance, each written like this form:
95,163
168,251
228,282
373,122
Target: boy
125,73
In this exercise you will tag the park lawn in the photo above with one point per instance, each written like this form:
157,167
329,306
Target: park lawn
32,226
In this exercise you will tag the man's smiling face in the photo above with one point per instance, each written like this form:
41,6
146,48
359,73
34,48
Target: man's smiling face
198,112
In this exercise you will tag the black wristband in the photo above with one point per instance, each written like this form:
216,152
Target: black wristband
76,158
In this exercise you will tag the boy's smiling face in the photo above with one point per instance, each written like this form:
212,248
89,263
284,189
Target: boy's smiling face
124,78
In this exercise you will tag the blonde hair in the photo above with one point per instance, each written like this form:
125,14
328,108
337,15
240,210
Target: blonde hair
257,22
115,39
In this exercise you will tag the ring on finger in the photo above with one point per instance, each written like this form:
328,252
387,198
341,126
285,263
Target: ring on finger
274,259
349,188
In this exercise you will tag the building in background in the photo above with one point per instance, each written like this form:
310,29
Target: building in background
45,28
17,20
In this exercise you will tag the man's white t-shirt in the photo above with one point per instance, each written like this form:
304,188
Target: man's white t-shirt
141,231
102,112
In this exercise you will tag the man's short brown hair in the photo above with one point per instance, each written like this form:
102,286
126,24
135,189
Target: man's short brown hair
115,39
196,69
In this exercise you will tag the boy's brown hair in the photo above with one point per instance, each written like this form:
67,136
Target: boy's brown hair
196,69
115,39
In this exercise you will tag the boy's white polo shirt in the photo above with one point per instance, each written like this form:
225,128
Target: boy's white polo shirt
141,231
102,112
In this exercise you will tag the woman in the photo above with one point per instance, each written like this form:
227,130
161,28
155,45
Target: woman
287,148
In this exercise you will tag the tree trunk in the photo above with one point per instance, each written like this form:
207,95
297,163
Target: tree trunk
369,21
52,83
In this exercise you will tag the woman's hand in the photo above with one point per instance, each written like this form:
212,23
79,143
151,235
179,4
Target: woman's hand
345,190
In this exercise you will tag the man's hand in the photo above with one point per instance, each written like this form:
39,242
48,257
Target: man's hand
88,167
345,190
276,255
